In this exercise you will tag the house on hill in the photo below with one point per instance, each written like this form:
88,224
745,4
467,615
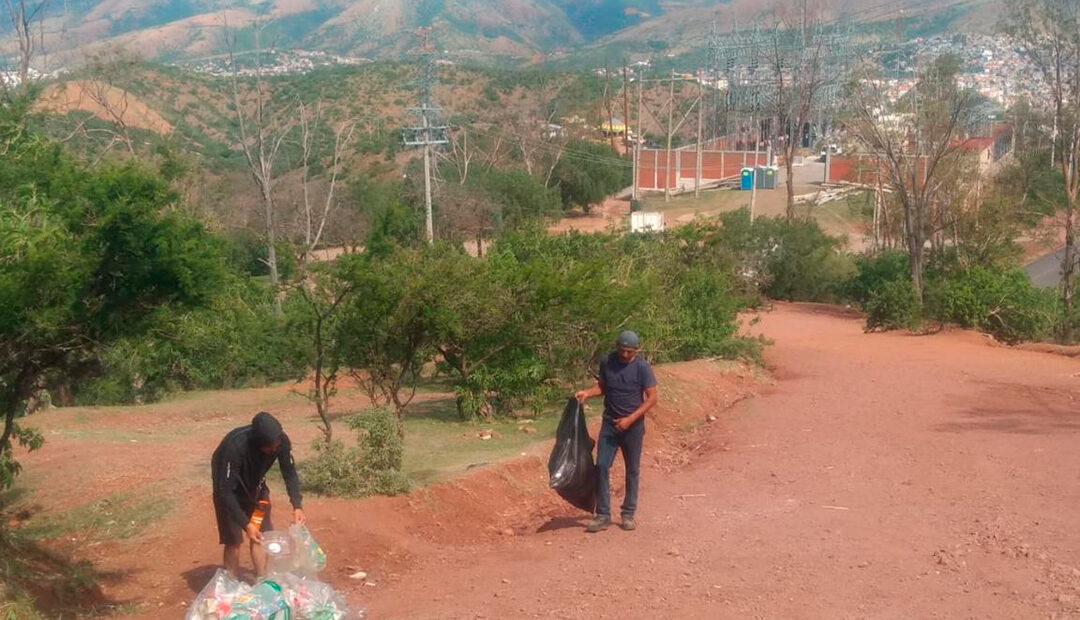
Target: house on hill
991,150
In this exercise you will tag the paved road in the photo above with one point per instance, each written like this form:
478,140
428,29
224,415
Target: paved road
1045,272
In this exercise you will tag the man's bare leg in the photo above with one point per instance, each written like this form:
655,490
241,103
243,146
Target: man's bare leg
232,560
258,558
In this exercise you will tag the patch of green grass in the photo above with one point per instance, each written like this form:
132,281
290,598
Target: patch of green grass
118,516
21,608
710,202
15,494
855,208
115,435
439,446
31,572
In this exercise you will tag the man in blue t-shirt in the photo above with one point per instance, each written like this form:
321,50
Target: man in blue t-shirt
629,388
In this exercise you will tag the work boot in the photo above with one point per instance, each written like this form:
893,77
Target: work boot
627,523
599,524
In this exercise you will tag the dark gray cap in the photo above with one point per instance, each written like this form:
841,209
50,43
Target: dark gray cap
628,339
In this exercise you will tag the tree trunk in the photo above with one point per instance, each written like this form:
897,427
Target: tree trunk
915,248
271,249
917,270
321,382
1068,269
789,167
11,404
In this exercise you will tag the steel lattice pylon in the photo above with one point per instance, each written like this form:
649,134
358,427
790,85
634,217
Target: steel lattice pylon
746,62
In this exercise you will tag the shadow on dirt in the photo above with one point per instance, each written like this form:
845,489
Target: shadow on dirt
59,585
563,523
1017,409
197,578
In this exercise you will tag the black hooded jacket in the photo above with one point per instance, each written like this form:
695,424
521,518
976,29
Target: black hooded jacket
239,467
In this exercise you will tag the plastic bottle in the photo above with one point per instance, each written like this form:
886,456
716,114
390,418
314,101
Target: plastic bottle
259,513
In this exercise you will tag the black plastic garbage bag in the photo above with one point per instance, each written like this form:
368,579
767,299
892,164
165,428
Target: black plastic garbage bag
571,466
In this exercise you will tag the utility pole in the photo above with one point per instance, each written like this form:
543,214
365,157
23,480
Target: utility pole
429,133
899,47
610,109
878,204
638,138
700,136
753,188
429,220
670,119
626,109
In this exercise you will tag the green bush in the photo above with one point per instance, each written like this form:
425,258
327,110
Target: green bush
893,305
792,260
236,342
876,270
1001,303
371,467
247,252
588,173
803,263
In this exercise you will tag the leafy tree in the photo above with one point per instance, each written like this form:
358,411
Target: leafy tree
318,301
919,155
235,341
588,173
1049,31
385,332
88,256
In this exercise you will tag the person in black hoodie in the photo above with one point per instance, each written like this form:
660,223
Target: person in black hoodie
239,467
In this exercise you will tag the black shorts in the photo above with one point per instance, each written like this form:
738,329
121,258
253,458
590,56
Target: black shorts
231,533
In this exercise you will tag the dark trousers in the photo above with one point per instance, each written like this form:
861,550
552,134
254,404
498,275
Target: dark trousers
629,442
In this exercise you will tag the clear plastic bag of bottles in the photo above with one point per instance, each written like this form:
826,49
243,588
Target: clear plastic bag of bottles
311,599
309,558
217,599
267,602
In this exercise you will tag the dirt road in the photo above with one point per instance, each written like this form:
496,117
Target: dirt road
884,476
880,476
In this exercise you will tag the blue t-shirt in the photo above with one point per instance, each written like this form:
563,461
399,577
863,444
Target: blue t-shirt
624,384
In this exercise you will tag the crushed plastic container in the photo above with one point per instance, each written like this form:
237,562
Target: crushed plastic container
280,552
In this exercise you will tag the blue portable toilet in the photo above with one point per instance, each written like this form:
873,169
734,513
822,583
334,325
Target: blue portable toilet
746,180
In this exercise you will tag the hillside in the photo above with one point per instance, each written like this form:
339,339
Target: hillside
154,109
482,30
686,30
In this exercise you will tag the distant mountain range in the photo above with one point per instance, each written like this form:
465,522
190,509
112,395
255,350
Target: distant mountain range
485,29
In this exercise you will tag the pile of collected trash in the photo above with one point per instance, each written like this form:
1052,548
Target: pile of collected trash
290,591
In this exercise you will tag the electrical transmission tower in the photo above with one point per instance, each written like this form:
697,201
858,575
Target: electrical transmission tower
429,132
745,61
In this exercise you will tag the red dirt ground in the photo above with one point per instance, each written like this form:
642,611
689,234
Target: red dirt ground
607,216
881,476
